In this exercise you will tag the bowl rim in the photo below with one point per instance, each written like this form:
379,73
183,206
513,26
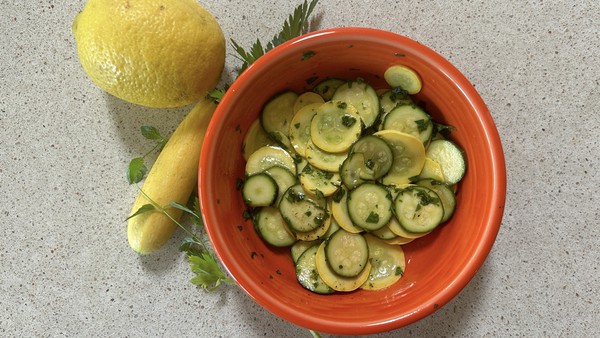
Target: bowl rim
483,248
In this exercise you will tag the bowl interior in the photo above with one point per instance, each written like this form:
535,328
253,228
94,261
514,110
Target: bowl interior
438,265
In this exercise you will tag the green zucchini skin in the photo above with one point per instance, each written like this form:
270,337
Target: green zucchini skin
260,190
346,253
418,209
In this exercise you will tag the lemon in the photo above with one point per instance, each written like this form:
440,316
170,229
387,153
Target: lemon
155,53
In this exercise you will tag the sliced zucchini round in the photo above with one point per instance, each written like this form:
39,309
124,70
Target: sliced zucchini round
410,119
450,157
387,264
282,140
369,206
377,157
301,212
445,193
346,253
336,281
278,112
363,97
300,128
300,164
335,127
306,272
284,179
259,190
319,181
403,77
267,157
418,209
318,233
393,98
409,157
333,227
271,227
298,248
351,169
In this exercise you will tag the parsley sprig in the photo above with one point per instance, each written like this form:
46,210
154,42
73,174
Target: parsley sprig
296,25
204,264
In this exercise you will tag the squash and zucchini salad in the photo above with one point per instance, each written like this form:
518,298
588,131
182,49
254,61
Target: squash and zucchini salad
345,175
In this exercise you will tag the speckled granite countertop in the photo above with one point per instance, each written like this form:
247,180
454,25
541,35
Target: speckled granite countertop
65,265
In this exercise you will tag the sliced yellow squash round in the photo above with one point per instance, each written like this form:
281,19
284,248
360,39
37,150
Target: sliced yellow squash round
387,264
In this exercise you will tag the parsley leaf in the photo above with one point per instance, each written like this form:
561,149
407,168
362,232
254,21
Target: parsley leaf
144,208
348,120
136,170
443,129
423,124
151,133
372,218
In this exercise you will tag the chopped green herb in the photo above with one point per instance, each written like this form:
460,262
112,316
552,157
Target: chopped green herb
320,219
348,120
308,55
246,215
295,196
443,129
414,178
338,195
373,217
426,199
238,184
398,93
276,136
423,124
319,194
312,79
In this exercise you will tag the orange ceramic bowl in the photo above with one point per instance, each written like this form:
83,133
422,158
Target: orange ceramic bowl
439,265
